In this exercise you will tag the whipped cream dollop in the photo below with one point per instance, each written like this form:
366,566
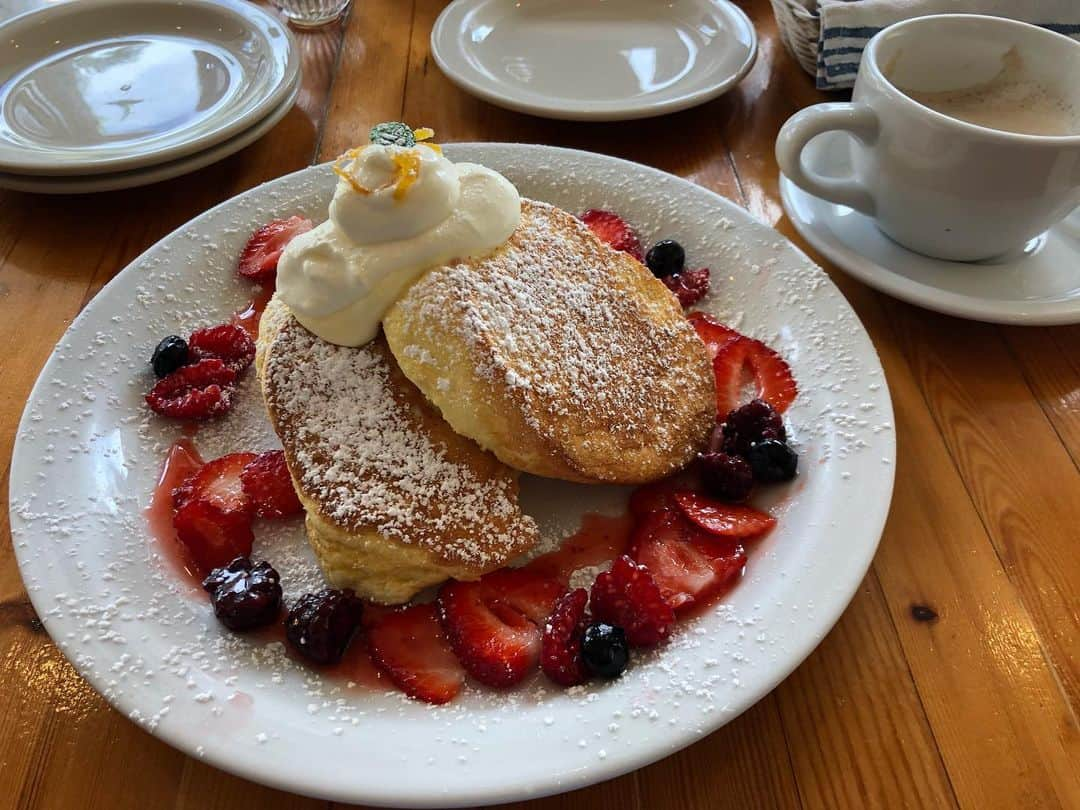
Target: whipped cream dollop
396,212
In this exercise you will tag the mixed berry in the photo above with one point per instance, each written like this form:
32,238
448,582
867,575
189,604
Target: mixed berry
245,595
687,545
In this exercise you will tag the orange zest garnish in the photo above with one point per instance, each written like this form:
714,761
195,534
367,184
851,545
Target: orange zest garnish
408,169
340,171
423,134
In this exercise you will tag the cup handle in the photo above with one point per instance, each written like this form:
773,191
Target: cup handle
856,119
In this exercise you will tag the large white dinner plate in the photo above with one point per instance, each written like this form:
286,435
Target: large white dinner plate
87,454
112,85
95,183
608,60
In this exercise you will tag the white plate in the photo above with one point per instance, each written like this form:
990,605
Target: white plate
94,183
87,454
1040,285
607,60
114,85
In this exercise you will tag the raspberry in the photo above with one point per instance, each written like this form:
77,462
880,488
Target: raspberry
755,421
628,597
228,343
729,478
267,484
689,286
200,391
560,647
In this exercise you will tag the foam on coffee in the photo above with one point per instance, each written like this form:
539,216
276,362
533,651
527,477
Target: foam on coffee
1012,101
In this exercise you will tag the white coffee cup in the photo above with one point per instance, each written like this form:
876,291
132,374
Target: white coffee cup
934,183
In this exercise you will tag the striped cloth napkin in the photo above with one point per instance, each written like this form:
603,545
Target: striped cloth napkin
847,25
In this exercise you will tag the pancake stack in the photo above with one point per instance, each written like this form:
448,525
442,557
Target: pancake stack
555,356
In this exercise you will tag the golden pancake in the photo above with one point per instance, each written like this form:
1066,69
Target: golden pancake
561,356
395,500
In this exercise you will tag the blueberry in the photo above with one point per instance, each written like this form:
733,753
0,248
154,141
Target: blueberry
772,460
604,650
666,258
244,595
320,625
169,355
727,477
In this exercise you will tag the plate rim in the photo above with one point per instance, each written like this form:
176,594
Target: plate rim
255,18
838,599
627,112
148,175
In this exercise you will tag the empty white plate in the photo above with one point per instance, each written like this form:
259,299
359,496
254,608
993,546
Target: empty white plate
600,60
93,183
1040,285
116,85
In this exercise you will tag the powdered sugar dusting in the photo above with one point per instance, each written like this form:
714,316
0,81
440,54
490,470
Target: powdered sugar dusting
539,318
87,456
364,454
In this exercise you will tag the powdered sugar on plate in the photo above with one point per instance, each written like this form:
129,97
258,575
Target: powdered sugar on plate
87,455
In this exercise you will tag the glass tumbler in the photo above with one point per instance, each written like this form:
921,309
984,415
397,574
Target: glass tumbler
312,13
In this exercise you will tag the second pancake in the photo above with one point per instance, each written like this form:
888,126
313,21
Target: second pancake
561,356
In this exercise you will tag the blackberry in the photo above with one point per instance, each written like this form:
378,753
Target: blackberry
727,477
754,422
245,595
320,625
773,460
604,650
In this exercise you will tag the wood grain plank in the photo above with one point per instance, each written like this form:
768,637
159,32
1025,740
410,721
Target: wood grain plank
369,82
1050,359
856,728
1006,450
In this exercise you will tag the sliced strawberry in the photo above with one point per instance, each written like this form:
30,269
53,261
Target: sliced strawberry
269,487
259,258
628,597
495,624
227,342
213,536
689,286
738,360
688,564
716,336
723,519
199,391
612,229
219,483
560,647
412,649
657,496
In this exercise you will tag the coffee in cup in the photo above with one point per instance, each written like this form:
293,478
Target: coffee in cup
965,139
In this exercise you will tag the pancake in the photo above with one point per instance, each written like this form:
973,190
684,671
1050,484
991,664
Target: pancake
395,500
561,356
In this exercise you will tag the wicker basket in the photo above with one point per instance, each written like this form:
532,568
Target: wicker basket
799,26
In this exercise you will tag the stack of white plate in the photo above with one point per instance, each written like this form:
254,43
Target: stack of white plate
110,94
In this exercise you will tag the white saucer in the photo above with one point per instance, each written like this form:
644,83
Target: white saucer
117,85
1040,285
93,183
610,60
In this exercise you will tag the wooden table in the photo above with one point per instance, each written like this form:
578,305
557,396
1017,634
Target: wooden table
953,680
